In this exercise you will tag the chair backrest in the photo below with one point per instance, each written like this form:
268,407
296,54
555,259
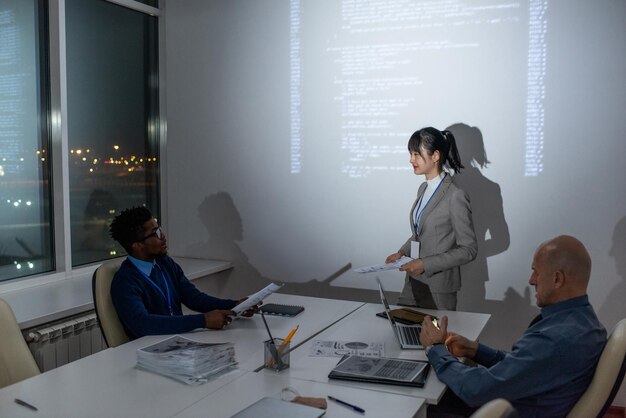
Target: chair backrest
607,378
16,361
497,408
109,322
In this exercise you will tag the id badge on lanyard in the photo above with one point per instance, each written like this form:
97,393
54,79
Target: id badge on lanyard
415,249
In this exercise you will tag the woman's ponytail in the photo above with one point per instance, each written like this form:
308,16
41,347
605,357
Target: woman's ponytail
452,159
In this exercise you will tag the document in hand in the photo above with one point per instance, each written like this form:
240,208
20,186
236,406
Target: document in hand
382,370
188,361
256,298
389,266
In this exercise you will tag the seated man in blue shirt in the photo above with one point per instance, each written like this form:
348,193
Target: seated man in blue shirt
553,362
149,287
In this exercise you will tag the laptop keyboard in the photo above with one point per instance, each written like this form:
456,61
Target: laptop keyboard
409,335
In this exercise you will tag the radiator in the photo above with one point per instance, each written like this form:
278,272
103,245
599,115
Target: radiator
60,342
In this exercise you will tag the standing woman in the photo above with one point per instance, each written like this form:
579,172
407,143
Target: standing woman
443,235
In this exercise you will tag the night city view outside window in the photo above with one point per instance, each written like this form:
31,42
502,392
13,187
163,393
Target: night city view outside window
26,241
112,112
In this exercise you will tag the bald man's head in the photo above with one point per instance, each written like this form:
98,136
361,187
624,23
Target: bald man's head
561,270
568,254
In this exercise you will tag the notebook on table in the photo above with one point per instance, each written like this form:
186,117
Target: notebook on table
281,310
408,335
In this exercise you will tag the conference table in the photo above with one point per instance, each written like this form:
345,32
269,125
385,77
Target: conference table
364,326
241,392
108,384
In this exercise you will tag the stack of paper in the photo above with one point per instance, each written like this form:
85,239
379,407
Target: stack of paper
186,360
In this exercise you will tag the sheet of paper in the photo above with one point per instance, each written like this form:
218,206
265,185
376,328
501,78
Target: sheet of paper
391,266
256,298
341,348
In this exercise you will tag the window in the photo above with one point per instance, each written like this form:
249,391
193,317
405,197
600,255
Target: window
26,245
112,106
107,157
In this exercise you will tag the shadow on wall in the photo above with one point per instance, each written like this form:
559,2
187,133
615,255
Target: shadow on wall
512,315
616,296
325,289
224,227
492,231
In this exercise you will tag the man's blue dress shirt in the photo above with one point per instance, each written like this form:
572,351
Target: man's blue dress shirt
547,370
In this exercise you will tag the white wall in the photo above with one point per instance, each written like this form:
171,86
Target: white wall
232,194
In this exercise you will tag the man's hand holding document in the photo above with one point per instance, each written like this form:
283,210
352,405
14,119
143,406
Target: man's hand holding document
253,300
389,266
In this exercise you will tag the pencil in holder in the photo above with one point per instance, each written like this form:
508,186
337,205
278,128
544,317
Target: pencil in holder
276,354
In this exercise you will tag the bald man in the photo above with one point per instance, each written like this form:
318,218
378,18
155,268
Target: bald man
549,367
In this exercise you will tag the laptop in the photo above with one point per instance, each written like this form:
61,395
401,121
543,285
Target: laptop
408,335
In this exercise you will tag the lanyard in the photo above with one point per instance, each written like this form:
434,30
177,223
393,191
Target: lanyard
167,289
419,204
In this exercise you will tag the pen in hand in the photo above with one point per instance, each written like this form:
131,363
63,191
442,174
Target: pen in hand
26,404
344,403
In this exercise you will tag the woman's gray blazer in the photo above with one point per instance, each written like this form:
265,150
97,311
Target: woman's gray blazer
446,236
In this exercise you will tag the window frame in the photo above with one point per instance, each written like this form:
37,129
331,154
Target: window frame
56,122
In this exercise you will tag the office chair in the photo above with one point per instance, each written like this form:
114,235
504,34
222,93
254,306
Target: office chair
498,408
16,361
112,329
607,378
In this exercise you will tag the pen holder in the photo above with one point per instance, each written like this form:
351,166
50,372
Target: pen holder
276,354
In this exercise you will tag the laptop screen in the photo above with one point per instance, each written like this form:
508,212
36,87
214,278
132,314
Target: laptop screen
383,299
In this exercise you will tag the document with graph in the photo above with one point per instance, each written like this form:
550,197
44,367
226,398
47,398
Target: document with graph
382,370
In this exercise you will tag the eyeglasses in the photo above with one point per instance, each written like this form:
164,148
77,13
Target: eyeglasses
157,233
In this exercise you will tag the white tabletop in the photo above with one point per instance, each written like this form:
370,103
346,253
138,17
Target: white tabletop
253,386
249,334
364,326
108,384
